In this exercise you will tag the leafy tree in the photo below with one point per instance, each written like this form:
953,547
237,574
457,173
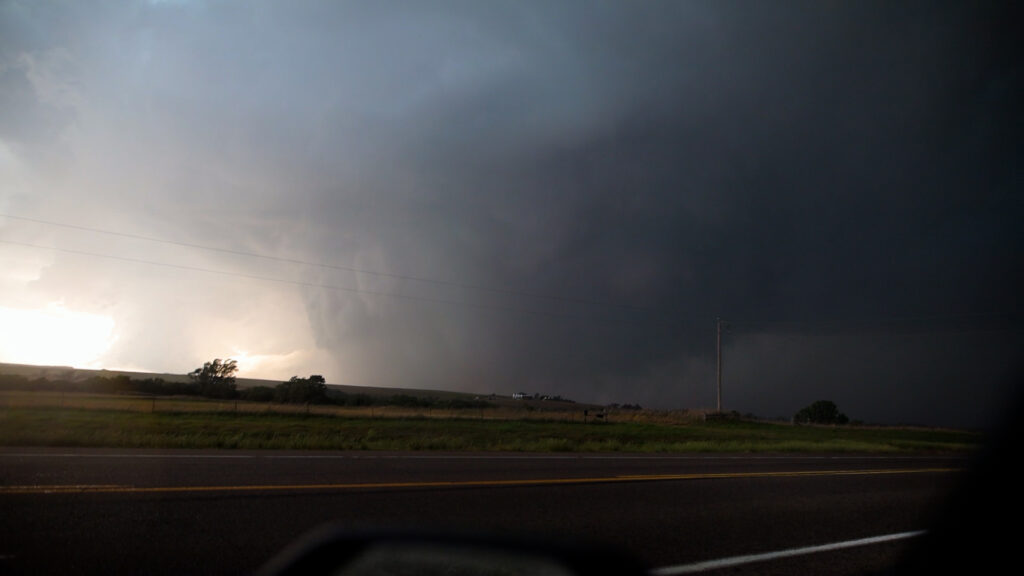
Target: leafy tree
821,412
312,390
216,379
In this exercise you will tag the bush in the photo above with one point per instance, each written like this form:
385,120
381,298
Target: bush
820,412
731,416
464,404
312,390
257,394
408,401
14,382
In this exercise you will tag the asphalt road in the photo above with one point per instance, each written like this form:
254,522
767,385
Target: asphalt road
211,512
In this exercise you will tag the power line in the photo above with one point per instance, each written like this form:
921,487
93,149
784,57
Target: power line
952,322
484,307
834,323
826,321
492,289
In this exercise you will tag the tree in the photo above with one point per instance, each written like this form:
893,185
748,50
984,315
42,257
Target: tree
216,379
312,390
820,412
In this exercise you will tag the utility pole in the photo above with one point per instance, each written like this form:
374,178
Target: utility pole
718,345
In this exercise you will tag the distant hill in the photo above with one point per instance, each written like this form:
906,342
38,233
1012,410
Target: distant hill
79,374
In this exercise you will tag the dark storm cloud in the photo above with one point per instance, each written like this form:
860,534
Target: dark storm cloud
798,163
650,165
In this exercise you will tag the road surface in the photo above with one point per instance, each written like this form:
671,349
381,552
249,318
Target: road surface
226,512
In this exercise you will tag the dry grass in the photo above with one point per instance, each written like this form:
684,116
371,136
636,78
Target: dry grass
134,403
61,419
55,426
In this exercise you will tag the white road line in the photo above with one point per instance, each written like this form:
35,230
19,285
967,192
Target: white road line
750,558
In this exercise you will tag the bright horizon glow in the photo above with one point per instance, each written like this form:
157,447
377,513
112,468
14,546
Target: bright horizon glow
277,367
54,336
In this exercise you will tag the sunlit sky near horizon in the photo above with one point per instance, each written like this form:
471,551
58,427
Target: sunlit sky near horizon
556,197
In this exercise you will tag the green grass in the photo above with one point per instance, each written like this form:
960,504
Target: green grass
53,426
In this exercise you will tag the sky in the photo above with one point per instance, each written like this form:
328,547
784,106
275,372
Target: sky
553,197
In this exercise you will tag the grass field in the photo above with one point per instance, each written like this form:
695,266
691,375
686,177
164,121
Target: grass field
140,403
37,419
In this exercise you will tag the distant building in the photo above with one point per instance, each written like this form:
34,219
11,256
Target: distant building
518,396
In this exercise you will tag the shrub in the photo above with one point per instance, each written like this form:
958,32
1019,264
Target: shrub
312,390
257,394
820,412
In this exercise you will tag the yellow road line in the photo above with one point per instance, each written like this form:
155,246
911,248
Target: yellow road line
49,489
121,489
